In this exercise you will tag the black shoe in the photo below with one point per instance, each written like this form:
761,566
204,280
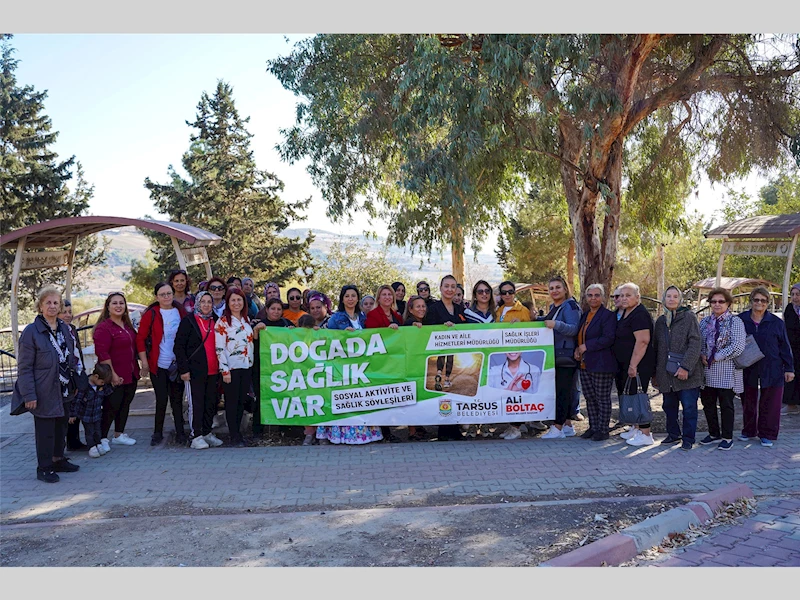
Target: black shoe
686,445
77,446
64,466
48,476
671,440
599,436
709,440
393,439
180,439
240,443
156,439
588,434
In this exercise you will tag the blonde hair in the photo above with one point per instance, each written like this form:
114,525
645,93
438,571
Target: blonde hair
46,291
378,295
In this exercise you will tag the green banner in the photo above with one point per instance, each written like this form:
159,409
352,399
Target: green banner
432,375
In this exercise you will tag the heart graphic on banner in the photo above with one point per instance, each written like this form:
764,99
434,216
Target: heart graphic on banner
526,383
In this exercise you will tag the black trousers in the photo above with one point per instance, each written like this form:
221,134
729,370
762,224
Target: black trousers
172,391
565,377
74,434
440,364
93,432
51,436
202,403
235,393
709,396
116,407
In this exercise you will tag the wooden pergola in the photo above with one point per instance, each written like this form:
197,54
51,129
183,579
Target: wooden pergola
49,239
765,235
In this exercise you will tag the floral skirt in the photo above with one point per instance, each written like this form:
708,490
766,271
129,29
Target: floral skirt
349,434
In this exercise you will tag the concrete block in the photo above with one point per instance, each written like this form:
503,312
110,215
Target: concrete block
727,493
613,550
652,530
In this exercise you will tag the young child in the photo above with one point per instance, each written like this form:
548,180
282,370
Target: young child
88,407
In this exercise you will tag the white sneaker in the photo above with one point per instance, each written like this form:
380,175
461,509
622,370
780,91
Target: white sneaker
554,434
512,433
630,434
199,443
105,444
790,409
212,440
94,452
101,449
124,440
641,439
568,430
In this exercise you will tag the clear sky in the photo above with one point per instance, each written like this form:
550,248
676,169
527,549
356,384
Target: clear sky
120,103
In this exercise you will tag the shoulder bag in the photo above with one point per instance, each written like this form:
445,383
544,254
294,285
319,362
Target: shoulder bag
565,357
674,359
750,355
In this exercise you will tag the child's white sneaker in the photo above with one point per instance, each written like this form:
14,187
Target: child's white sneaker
106,444
94,452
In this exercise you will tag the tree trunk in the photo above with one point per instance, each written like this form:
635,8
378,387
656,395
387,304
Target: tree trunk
457,252
571,265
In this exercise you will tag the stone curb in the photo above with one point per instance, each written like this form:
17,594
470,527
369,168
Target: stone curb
625,545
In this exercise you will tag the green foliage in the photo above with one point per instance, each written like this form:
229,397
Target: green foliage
533,246
353,263
226,194
144,275
34,182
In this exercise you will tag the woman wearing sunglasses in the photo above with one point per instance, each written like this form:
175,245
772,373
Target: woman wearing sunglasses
764,380
295,310
482,307
217,288
722,339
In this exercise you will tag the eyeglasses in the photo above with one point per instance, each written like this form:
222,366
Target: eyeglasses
760,300
423,289
294,298
617,295
164,294
216,288
506,292
718,302
483,291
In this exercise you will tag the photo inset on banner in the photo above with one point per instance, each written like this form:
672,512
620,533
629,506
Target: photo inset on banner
516,371
454,373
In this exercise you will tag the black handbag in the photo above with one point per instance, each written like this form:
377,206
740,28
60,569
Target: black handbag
635,408
172,371
674,359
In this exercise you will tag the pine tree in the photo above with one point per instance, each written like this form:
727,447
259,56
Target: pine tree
227,195
34,182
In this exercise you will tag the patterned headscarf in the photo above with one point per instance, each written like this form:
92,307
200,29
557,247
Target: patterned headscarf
197,305
326,302
271,284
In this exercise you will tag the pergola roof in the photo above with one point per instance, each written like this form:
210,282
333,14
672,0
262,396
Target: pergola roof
730,283
60,232
761,227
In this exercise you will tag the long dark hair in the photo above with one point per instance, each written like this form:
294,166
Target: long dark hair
226,314
492,306
500,288
105,315
350,286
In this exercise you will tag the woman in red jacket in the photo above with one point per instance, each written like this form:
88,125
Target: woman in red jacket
155,342
385,315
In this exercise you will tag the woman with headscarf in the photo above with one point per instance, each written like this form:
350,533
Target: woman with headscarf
199,369
319,307
271,290
367,304
679,372
791,318
253,303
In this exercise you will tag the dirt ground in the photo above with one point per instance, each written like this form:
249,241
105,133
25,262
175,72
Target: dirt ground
518,534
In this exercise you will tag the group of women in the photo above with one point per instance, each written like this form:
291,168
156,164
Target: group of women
202,345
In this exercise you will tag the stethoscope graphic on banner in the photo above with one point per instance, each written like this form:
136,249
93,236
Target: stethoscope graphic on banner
527,378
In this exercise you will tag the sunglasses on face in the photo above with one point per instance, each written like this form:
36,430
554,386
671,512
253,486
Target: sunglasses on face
719,302
294,297
760,300
216,288
423,289
483,291
506,292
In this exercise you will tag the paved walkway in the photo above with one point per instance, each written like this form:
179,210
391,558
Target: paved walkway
770,538
301,478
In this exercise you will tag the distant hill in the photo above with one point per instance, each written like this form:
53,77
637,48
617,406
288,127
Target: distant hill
127,243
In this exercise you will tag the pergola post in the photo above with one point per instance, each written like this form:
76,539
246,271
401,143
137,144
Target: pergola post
178,252
14,292
788,273
70,263
719,267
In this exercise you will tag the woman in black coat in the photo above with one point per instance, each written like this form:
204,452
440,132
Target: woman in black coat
44,366
199,369
791,318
